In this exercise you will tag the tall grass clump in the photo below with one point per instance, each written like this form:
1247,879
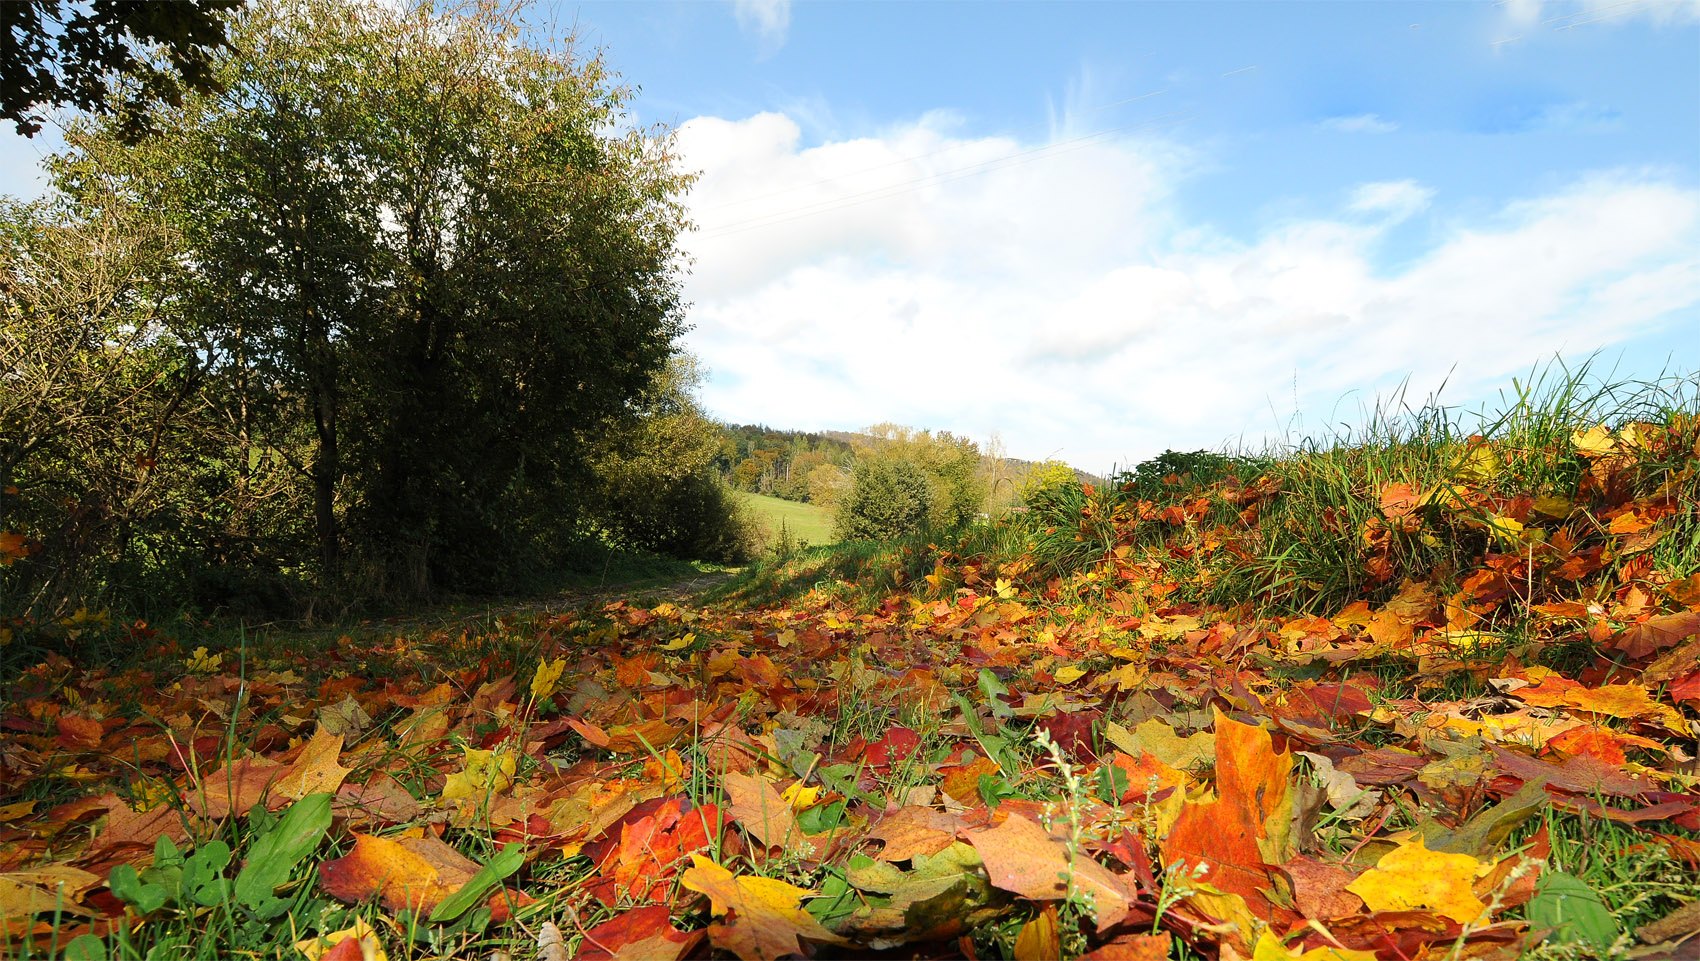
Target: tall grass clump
1428,493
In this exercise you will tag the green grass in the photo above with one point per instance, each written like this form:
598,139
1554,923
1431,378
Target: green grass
805,521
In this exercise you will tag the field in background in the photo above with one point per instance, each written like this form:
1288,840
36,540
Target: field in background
805,521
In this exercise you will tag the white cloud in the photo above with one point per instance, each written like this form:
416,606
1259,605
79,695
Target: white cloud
768,19
1398,199
1052,296
1569,14
1359,123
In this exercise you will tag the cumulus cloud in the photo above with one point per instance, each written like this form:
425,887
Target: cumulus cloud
768,19
1050,293
1359,123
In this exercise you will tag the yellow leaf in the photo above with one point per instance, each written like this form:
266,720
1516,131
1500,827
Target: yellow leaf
1477,464
1068,675
201,662
787,638
770,917
1270,948
679,643
800,797
486,771
1005,590
11,812
548,676
1413,878
371,949
1552,505
1039,939
1506,530
1596,441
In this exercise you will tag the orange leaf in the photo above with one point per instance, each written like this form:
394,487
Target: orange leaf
641,933
759,808
1021,858
412,873
1246,825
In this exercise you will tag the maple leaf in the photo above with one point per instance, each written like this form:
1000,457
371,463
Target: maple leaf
548,675
486,772
768,919
412,873
641,934
1021,858
1596,441
316,770
1413,878
761,810
201,662
1243,829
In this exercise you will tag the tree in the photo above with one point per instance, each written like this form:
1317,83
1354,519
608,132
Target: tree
54,54
887,498
657,488
429,239
951,465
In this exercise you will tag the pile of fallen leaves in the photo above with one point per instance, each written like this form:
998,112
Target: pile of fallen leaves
983,767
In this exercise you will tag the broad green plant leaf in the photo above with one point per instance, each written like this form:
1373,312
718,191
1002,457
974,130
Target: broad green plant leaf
505,863
275,855
1573,910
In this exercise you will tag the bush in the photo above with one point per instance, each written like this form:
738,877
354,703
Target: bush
887,498
657,489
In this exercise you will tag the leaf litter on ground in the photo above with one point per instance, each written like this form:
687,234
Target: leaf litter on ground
997,762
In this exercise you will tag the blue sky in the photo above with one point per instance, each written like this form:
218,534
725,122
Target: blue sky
1104,229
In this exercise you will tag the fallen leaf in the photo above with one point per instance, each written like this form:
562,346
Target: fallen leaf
754,803
768,920
1021,858
315,771
1413,878
641,934
403,873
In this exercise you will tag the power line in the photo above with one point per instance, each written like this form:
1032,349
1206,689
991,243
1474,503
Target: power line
892,190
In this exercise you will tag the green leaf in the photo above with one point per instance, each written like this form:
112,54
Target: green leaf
85,947
490,875
1573,910
127,886
274,856
837,901
993,688
822,817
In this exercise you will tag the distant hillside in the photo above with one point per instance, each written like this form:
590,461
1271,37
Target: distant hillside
811,466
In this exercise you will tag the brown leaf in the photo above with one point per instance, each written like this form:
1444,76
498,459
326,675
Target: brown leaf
1132,947
1021,858
759,808
915,830
1657,633
236,787
1319,888
79,733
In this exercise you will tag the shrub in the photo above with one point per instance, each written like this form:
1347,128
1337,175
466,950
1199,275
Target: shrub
887,498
